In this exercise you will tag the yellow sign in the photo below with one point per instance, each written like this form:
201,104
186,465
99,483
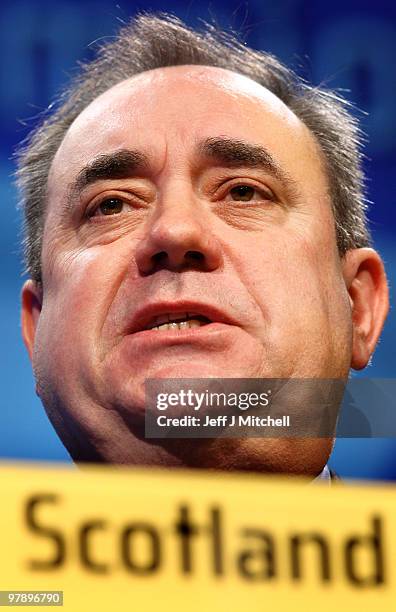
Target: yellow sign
120,539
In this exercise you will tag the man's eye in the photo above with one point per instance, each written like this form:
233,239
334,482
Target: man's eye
111,206
245,193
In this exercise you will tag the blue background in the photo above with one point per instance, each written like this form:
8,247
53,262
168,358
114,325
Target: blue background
343,44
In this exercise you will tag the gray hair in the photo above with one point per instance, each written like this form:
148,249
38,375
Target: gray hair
156,41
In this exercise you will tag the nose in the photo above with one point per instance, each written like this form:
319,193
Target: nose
179,238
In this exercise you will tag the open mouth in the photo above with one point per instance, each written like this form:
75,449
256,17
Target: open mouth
178,316
175,321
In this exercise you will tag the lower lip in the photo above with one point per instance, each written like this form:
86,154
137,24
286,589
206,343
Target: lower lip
181,336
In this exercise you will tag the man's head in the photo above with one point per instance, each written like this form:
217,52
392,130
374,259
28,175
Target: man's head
204,182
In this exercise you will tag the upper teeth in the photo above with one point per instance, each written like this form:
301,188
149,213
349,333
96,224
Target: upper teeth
179,324
180,320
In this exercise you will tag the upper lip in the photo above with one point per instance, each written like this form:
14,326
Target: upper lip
146,315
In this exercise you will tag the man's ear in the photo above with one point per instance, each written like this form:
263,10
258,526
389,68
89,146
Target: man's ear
32,300
367,286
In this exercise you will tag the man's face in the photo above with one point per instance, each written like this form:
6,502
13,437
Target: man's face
193,192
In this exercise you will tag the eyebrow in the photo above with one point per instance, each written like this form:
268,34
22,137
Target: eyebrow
226,151
236,153
120,164
233,152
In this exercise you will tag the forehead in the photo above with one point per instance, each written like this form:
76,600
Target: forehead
172,108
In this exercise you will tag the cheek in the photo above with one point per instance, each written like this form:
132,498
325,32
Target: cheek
78,292
295,276
281,269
